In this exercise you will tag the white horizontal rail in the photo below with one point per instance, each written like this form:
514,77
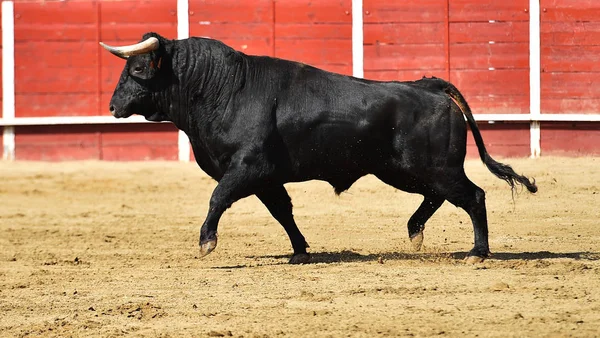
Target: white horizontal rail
69,120
78,120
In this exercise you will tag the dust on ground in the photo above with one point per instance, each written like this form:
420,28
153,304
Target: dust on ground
110,249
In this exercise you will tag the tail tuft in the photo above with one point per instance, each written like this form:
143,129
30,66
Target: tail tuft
506,172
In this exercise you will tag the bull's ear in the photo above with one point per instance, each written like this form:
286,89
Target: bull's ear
148,45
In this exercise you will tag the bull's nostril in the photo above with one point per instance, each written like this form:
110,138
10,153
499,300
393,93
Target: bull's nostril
112,109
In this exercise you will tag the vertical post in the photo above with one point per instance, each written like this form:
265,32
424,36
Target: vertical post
447,38
8,78
534,77
183,32
357,39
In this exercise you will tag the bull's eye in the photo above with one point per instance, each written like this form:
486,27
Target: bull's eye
138,69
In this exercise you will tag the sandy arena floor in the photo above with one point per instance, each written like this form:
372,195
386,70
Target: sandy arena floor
109,249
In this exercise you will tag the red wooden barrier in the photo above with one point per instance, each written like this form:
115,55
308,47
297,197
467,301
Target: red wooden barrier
62,71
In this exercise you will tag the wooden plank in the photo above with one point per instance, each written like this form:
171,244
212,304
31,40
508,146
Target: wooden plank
139,12
569,10
470,32
127,33
570,85
498,104
56,55
575,139
309,31
227,11
36,79
315,51
392,57
344,69
54,12
486,10
258,46
570,59
57,143
221,31
501,140
56,104
378,11
583,105
486,55
57,32
139,143
403,75
570,33
496,82
311,11
404,33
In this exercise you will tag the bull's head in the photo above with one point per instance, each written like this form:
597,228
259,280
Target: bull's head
142,78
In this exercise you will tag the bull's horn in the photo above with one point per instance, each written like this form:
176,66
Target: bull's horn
124,52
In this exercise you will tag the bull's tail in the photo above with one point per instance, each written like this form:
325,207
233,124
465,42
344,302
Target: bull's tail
501,170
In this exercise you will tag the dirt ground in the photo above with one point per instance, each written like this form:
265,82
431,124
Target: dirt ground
110,249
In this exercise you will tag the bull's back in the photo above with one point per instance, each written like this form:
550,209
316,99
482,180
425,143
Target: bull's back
340,128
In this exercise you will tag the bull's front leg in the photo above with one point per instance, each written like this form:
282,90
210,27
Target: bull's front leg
236,184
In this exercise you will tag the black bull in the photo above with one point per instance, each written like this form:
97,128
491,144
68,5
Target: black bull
257,122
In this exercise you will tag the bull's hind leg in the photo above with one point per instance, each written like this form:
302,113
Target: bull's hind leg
278,202
416,223
463,193
432,202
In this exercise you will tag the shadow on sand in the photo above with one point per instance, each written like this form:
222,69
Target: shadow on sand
346,256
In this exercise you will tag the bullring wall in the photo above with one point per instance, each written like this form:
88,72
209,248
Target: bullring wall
482,46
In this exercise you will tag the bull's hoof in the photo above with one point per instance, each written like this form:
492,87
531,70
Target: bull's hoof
302,258
417,241
474,259
207,247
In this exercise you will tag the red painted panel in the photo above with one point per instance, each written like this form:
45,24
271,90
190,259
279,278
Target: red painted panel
55,12
57,143
485,10
227,11
56,104
1,89
140,142
340,69
118,142
244,26
259,46
403,75
63,32
560,138
570,33
569,10
501,140
323,31
497,82
56,55
313,11
404,33
233,30
485,55
392,57
140,12
583,105
315,51
127,33
382,11
470,32
36,79
498,104
570,85
571,59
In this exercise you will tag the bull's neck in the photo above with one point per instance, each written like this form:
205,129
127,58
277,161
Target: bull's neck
207,73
